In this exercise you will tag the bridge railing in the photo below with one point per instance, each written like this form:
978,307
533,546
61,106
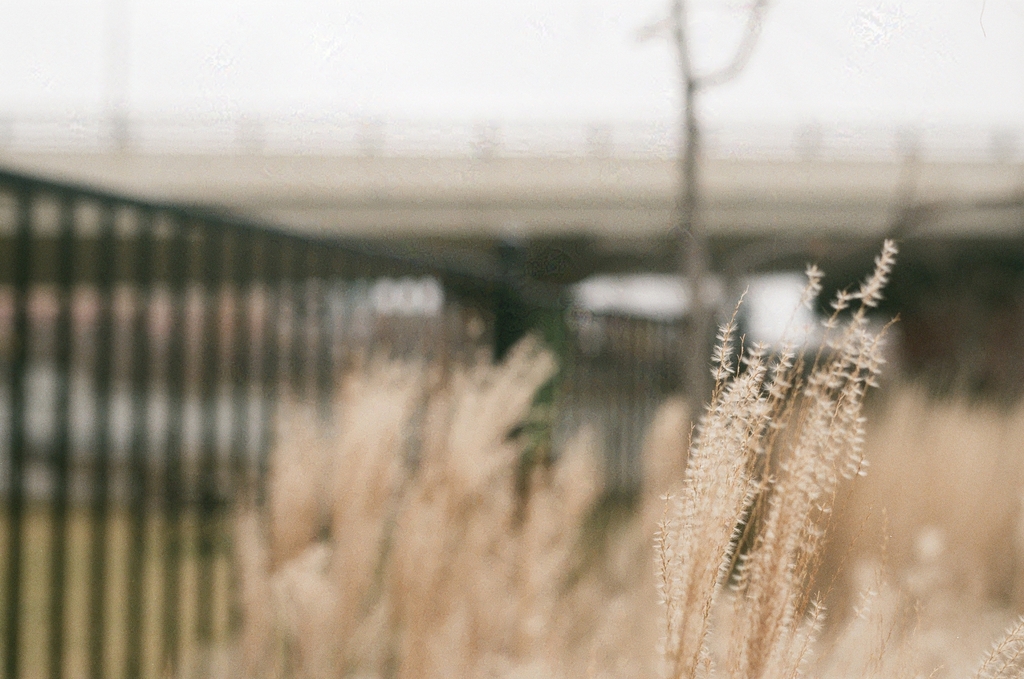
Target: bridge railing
370,136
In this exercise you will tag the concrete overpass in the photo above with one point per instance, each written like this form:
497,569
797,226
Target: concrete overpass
582,198
618,205
960,218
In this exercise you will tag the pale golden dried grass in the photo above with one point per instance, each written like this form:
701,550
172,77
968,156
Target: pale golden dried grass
954,469
400,547
938,526
762,471
397,545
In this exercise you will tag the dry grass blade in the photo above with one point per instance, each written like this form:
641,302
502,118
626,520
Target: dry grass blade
824,440
1006,660
696,538
770,436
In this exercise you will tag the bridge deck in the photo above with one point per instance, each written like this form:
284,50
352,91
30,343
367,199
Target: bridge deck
604,197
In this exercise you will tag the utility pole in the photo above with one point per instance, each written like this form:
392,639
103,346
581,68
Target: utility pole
689,235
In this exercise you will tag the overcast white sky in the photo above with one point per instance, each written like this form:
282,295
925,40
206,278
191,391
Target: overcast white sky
913,61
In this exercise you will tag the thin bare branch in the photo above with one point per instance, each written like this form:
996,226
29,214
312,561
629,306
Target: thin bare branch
745,49
679,38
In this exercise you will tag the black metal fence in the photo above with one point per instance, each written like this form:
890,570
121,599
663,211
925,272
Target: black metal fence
142,347
618,372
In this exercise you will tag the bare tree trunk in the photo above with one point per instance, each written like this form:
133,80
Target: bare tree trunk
692,252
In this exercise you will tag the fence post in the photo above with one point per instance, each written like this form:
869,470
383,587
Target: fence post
106,262
242,357
272,350
64,275
322,355
511,314
23,266
140,381
177,275
212,246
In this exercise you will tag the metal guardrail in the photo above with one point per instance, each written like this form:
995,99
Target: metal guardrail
325,135
143,348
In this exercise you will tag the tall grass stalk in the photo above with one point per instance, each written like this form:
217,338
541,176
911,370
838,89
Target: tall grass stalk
407,540
763,469
402,544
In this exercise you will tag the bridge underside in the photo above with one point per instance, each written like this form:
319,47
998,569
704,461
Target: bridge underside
577,216
959,286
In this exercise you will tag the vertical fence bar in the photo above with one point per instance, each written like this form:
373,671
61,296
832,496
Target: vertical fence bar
324,356
633,400
299,339
139,377
106,263
511,315
242,359
16,493
312,323
174,446
213,242
270,369
65,280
